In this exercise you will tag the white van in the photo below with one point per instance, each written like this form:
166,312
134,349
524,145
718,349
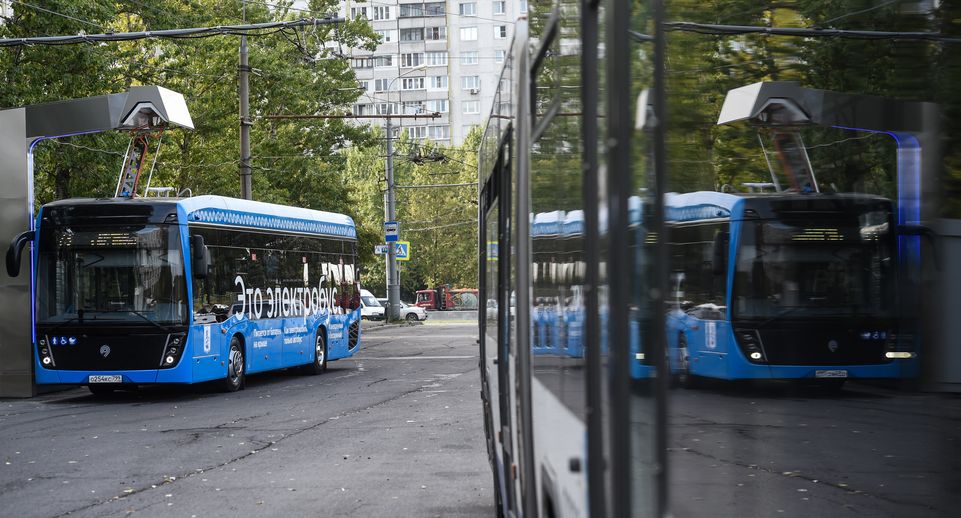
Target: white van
370,309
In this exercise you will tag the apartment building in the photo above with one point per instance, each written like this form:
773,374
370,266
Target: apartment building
440,56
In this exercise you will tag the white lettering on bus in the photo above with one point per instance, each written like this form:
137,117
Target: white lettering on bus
277,302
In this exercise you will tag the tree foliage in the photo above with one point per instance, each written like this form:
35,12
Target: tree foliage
294,72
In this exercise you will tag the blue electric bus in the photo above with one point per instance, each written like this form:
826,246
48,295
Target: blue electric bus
784,286
155,290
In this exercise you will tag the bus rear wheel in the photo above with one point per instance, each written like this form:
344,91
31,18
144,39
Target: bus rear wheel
235,366
320,355
683,377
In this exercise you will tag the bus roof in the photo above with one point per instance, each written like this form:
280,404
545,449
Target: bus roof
220,210
230,212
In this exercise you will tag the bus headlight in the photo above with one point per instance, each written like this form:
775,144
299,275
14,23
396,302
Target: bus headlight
172,351
750,344
46,354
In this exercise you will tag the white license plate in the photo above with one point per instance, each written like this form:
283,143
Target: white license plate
110,378
831,374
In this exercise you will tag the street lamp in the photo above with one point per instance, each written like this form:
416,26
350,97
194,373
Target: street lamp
393,276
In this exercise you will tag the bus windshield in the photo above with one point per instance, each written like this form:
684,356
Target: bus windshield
824,264
123,273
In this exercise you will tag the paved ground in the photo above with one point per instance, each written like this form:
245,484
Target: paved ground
395,431
771,450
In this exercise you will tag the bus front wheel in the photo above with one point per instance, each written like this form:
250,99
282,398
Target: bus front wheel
235,366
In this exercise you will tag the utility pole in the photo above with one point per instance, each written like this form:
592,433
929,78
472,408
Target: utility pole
390,212
246,187
393,281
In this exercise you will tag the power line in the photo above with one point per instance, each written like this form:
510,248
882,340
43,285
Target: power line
256,29
722,30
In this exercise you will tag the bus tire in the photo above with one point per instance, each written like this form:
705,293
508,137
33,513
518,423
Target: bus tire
320,354
236,365
684,378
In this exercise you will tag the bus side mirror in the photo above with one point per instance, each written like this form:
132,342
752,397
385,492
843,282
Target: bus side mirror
199,252
15,251
719,253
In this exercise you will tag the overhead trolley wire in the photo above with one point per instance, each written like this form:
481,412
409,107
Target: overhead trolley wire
721,30
255,29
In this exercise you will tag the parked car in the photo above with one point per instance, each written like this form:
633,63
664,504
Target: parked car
370,309
408,312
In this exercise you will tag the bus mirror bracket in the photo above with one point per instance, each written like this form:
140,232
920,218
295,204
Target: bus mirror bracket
925,232
16,250
719,253
199,256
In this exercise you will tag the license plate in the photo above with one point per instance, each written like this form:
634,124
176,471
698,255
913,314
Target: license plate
831,374
110,378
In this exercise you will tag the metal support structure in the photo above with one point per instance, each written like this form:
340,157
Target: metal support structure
21,129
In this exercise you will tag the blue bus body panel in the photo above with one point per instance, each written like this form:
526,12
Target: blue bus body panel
723,359
270,343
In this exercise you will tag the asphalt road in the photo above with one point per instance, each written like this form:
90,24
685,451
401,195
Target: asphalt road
769,449
395,431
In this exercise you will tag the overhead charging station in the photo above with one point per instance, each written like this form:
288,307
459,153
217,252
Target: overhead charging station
142,110
784,109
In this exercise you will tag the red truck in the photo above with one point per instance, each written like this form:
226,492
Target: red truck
445,298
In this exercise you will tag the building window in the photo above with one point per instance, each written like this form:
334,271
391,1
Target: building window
468,58
438,82
413,59
410,10
435,9
358,12
523,6
468,9
435,34
468,33
470,82
381,12
380,85
500,6
418,132
415,34
500,32
413,83
384,61
435,59
385,108
363,85
499,56
437,105
413,107
361,63
471,107
387,36
363,109
440,132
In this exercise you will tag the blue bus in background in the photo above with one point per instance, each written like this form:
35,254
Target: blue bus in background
784,286
157,290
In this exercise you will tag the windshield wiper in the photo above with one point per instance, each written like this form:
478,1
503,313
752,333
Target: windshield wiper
784,312
145,317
